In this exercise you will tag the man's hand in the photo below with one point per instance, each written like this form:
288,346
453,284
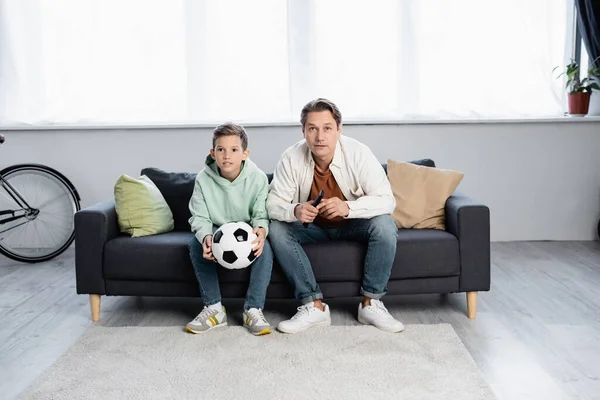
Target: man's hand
259,242
305,212
207,247
333,207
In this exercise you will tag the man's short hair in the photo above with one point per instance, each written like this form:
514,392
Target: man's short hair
321,104
230,129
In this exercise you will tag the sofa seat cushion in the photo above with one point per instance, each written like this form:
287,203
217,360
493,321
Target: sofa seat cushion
156,258
420,253
424,253
162,257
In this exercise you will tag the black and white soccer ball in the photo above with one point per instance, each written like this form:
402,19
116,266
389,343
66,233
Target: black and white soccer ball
232,245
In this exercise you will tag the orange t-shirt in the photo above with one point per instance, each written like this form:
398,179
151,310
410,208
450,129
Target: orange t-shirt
326,182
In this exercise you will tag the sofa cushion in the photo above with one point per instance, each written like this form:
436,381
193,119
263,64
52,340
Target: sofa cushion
161,258
421,193
140,207
420,253
425,162
177,189
424,253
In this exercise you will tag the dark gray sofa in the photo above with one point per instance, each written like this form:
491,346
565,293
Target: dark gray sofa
427,261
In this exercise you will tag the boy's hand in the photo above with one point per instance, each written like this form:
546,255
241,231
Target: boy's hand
333,207
305,212
259,242
207,247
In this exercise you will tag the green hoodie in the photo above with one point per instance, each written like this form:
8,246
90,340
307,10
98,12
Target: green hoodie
216,201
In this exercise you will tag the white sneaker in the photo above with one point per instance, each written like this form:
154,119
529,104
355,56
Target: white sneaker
255,322
376,314
307,316
208,319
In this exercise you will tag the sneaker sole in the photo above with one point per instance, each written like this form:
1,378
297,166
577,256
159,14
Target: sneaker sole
322,323
190,330
265,331
382,328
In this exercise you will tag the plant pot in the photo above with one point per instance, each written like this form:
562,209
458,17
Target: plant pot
579,103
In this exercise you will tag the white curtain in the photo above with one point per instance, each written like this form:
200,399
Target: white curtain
206,61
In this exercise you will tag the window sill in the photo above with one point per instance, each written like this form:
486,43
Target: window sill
565,119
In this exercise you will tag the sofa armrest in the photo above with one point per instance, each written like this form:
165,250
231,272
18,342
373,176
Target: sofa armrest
94,226
469,221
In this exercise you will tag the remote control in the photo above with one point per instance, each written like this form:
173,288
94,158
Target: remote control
316,203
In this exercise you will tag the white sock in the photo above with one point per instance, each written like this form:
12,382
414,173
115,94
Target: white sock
217,307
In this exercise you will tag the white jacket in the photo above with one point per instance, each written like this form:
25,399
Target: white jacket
355,168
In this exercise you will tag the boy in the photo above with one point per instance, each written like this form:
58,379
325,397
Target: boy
231,188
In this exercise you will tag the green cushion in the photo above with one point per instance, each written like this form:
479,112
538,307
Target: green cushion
141,208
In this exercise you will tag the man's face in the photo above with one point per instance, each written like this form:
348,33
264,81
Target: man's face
321,134
229,154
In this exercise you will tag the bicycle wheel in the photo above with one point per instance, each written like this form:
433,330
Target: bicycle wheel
48,228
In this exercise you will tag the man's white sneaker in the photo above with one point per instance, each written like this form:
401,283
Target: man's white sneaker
376,314
307,316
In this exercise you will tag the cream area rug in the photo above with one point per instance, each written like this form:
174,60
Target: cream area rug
337,362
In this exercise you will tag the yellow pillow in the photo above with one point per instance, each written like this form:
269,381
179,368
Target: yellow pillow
141,207
421,194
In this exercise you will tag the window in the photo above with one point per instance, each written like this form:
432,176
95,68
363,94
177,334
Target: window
202,61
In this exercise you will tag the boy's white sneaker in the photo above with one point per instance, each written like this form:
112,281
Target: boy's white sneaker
376,314
208,319
307,316
255,322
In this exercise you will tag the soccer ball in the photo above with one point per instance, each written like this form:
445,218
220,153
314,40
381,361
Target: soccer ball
232,245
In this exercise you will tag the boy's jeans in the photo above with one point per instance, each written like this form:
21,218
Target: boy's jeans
208,280
380,232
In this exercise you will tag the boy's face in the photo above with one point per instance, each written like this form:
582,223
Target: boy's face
229,154
321,133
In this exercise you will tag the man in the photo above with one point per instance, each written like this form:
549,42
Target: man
357,205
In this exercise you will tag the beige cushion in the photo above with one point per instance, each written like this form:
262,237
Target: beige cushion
421,194
141,208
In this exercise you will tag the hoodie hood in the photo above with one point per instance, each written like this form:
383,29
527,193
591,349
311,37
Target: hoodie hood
212,170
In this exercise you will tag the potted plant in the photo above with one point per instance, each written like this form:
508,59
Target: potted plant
580,90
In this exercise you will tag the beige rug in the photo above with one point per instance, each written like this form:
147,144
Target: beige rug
338,362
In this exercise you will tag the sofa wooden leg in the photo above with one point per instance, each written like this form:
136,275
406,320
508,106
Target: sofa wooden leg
471,304
95,306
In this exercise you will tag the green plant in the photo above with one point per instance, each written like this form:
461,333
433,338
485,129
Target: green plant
574,84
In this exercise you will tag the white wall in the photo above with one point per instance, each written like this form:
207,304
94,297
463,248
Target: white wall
541,180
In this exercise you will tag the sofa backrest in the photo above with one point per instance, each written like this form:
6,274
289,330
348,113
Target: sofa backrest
177,189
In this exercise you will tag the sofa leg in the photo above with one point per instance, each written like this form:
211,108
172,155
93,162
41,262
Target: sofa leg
471,304
95,306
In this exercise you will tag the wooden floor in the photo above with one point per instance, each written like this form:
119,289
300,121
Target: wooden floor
536,336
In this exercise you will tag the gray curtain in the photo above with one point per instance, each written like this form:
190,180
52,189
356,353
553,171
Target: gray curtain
588,13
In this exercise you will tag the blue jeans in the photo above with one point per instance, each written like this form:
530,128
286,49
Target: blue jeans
208,280
379,232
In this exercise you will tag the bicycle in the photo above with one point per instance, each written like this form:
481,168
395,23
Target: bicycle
37,205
